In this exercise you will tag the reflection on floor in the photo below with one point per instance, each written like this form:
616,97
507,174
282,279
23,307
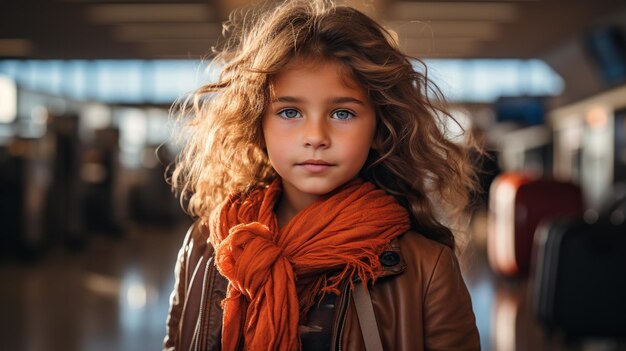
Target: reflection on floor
114,295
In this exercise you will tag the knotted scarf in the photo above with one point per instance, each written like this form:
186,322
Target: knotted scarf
342,233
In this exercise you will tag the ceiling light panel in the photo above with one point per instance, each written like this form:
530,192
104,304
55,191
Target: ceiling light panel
141,32
496,11
133,13
451,29
15,47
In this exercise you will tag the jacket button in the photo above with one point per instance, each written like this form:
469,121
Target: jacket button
389,258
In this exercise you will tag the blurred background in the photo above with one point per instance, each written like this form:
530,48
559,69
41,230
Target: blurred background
90,230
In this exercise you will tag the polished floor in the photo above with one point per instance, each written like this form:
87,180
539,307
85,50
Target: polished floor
113,295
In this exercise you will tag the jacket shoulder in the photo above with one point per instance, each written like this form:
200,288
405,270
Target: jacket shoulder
421,303
448,317
417,240
197,242
198,231
419,250
193,269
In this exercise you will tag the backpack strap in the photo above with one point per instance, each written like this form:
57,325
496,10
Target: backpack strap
367,319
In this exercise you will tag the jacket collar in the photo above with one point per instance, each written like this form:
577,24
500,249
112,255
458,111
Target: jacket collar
392,260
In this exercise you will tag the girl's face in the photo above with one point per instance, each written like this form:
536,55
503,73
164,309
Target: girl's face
318,129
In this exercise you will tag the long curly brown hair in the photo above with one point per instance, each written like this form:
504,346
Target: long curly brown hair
415,161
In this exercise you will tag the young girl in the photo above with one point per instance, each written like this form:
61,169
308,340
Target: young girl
322,181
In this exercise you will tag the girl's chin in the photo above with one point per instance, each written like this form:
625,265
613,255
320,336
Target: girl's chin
316,190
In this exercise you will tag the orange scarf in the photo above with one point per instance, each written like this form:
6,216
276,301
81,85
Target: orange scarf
342,233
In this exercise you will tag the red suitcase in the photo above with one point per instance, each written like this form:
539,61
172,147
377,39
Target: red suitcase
517,204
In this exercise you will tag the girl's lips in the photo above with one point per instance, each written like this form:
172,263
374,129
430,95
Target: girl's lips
315,166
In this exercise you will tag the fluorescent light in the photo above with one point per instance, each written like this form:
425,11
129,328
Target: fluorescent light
128,13
453,29
15,47
140,32
453,11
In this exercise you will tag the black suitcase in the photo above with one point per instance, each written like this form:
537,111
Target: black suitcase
578,283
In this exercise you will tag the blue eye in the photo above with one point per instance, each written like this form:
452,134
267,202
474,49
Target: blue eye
343,114
289,113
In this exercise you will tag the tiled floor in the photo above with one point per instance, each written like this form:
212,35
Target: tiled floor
113,295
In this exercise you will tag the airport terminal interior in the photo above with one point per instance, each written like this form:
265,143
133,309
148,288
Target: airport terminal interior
90,230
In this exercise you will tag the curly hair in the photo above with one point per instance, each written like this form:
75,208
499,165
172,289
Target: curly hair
414,160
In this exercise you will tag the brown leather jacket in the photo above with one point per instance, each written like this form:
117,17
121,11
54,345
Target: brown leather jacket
420,301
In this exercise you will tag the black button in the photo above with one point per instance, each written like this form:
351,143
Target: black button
389,258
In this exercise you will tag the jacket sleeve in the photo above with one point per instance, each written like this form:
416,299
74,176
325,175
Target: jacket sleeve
449,322
177,298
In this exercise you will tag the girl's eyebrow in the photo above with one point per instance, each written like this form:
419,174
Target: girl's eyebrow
337,100
347,99
286,99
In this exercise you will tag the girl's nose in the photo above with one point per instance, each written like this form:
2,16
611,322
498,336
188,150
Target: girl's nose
316,134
